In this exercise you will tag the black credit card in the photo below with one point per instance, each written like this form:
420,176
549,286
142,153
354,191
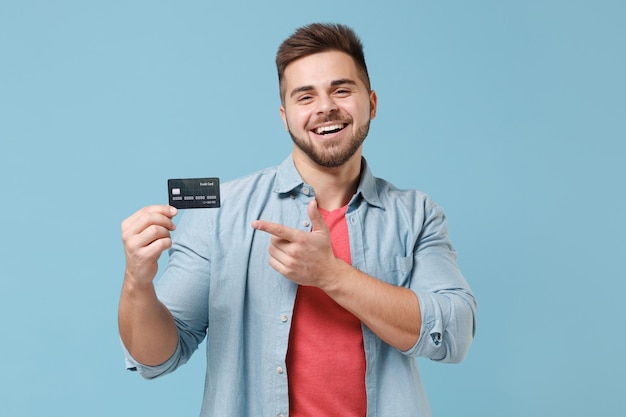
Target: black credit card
186,193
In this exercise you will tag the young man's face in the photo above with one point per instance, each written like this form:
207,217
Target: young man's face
326,108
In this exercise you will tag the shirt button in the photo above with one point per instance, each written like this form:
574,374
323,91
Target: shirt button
281,415
306,191
284,318
279,370
292,196
305,223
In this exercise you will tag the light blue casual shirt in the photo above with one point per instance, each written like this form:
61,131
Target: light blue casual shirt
218,284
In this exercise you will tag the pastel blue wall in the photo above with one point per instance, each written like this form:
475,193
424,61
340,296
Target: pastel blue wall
509,114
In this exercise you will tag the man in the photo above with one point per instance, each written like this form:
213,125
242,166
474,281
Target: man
316,284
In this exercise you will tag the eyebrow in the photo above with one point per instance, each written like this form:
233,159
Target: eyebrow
333,83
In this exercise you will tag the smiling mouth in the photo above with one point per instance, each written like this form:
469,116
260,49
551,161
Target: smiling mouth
327,130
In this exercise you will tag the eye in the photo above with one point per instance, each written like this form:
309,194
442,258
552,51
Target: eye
342,92
305,98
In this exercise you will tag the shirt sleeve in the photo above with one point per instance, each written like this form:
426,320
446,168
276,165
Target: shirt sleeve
151,372
446,301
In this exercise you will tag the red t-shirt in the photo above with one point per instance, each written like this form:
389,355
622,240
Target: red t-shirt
325,358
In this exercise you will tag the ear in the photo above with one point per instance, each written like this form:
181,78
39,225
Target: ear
283,115
373,104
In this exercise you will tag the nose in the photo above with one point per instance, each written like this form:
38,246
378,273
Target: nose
326,104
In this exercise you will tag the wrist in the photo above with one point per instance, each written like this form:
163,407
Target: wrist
334,279
135,286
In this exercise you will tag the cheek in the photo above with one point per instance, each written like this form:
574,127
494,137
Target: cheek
361,113
297,121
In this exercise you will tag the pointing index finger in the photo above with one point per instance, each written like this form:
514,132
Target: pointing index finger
275,229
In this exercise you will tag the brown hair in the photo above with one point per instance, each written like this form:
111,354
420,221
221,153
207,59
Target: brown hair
320,37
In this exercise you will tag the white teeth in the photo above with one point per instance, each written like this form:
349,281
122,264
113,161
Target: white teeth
326,129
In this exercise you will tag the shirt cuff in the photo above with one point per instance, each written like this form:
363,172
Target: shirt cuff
429,342
148,371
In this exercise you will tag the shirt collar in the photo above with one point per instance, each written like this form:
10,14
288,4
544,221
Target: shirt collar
288,178
367,187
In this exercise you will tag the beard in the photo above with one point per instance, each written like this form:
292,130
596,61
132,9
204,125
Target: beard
335,153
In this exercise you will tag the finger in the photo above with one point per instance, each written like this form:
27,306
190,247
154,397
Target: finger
281,260
317,221
150,234
147,216
279,267
164,210
148,245
276,229
280,248
143,264
152,251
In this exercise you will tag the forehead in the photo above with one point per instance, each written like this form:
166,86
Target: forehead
319,69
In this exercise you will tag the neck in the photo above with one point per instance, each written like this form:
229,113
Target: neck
334,187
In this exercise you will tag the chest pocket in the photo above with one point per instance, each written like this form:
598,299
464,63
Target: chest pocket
394,270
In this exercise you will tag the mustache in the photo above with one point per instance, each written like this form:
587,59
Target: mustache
332,117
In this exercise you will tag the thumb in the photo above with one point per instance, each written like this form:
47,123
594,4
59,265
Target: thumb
317,221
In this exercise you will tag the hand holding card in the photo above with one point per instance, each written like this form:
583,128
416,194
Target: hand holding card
189,193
